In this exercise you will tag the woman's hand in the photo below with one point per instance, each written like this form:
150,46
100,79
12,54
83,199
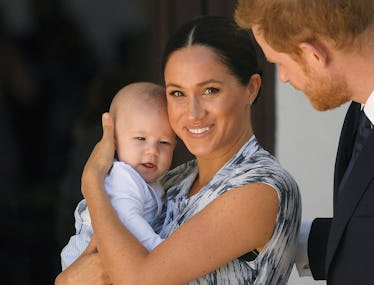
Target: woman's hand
87,269
101,158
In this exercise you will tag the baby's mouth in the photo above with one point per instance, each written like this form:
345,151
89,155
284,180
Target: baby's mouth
149,165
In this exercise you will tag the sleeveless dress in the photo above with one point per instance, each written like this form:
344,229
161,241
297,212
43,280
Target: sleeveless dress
252,164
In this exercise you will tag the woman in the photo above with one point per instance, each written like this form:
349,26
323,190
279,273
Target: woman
233,213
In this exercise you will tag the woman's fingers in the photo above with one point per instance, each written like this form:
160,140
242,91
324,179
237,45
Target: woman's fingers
105,148
101,158
108,127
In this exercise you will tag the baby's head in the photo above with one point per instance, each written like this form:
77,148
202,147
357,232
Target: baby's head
143,136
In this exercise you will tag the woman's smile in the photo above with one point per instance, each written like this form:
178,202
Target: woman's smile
198,131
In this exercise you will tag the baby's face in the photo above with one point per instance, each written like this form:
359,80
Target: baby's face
145,140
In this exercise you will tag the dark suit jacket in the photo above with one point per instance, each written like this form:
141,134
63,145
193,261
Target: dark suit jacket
341,249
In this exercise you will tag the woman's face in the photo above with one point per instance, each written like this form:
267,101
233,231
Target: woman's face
208,106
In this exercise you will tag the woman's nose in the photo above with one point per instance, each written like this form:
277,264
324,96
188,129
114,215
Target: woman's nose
196,110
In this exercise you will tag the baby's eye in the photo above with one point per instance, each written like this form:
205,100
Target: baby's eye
164,142
140,138
176,93
211,90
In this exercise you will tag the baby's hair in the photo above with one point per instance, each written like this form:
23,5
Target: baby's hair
148,92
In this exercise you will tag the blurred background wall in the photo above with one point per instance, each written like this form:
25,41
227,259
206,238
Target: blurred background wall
61,62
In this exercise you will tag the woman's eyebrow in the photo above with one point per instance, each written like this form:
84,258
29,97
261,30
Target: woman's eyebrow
210,81
205,82
173,85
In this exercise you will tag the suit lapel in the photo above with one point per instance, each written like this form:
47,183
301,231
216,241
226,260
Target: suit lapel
345,147
350,194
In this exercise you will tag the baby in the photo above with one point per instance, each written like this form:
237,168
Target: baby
144,144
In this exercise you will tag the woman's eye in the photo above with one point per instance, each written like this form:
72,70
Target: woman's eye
176,93
211,90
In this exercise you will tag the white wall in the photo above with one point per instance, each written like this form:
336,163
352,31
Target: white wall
306,144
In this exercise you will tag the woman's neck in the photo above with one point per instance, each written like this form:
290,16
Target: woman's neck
209,166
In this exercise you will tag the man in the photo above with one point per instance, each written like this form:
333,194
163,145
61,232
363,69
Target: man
325,48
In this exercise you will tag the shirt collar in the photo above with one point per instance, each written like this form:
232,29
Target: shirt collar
369,107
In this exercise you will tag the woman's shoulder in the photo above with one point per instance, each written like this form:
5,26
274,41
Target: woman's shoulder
177,174
253,164
252,156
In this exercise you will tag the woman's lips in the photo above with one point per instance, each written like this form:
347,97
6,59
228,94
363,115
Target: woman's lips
199,130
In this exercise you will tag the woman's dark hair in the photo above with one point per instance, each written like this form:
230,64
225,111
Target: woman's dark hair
232,44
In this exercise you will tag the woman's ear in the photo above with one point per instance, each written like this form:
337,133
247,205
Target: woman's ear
314,53
253,87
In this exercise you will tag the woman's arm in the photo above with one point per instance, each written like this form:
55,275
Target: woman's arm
238,221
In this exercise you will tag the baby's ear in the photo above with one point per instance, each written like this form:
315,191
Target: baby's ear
115,140
116,155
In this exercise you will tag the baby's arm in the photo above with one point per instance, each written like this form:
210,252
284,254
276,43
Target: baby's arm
135,203
132,217
78,242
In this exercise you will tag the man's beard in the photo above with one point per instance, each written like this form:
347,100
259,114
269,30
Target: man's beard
325,93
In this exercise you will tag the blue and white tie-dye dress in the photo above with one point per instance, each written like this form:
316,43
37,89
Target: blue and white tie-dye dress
252,164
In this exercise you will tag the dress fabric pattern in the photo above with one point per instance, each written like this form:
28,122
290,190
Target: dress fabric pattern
252,164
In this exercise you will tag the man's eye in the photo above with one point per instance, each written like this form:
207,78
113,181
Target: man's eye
211,90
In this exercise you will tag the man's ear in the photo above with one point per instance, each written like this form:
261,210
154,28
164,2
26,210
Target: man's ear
314,53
